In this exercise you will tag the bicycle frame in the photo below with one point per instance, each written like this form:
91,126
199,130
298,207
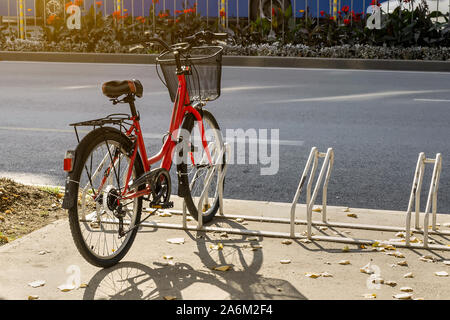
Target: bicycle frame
181,107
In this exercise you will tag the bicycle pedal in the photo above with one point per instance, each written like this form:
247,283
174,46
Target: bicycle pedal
167,205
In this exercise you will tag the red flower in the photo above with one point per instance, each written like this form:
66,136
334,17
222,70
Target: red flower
331,18
51,19
116,15
178,20
79,2
345,9
322,13
99,3
222,12
273,12
375,3
346,21
155,1
178,11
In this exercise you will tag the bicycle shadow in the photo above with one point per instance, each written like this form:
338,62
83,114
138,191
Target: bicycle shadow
136,281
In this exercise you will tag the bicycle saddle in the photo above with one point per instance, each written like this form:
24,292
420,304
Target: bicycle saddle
115,88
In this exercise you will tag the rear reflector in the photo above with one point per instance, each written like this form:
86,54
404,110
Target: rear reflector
68,160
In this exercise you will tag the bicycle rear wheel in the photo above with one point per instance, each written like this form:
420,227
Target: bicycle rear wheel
199,176
101,168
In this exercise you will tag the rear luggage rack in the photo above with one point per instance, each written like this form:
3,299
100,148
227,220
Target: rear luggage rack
119,119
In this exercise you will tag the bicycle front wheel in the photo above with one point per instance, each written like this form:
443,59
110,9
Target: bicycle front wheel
101,168
201,177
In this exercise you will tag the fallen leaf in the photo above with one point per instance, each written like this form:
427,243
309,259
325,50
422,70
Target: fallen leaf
169,298
344,262
441,273
367,269
390,283
3,239
346,249
285,261
252,239
406,289
164,214
317,209
326,275
400,234
66,287
222,268
168,257
218,246
304,240
414,240
8,211
176,240
403,296
83,285
312,275
408,275
224,235
403,263
323,228
286,242
37,283
378,280
352,215
396,254
239,220
346,209
33,297
427,258
369,295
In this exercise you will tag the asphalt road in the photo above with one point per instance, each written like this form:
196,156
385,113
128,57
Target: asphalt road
376,121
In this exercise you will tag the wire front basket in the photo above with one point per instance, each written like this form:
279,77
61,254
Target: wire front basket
203,83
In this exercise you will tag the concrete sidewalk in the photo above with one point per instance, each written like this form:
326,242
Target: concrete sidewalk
256,273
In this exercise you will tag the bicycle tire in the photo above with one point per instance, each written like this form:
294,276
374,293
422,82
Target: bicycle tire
187,127
84,150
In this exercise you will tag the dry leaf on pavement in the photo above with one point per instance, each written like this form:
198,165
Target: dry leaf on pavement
403,296
222,268
176,240
37,283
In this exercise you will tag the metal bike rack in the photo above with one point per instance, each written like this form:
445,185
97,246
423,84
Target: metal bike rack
308,175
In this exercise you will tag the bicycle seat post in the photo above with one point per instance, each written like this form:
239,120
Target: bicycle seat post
130,100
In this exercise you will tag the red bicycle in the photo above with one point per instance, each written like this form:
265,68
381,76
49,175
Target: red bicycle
109,172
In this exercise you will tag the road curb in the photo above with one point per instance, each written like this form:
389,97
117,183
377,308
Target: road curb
247,61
